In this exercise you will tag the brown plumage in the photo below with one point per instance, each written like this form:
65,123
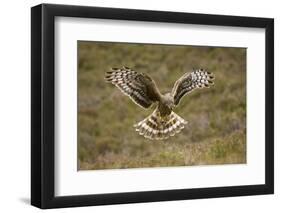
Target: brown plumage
163,122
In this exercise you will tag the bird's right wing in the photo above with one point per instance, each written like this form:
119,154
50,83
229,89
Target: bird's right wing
138,86
189,81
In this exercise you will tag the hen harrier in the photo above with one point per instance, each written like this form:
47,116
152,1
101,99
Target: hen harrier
163,122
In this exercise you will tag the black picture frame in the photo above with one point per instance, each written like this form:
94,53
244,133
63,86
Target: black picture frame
43,102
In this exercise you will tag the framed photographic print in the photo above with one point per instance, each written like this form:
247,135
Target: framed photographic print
140,106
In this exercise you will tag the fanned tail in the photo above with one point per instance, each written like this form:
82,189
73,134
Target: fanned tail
155,127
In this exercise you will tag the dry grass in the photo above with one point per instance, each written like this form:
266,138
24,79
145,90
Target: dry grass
215,134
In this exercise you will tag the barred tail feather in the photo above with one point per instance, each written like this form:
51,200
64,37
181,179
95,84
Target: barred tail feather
155,127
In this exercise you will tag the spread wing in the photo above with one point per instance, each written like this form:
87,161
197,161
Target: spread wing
138,86
189,81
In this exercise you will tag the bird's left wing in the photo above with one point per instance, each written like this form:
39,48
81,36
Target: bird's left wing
138,86
189,81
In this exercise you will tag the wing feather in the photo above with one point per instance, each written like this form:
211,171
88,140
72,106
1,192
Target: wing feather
138,86
189,81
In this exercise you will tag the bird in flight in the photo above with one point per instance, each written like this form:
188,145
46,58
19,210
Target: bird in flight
142,89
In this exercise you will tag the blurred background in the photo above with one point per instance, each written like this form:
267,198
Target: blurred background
216,130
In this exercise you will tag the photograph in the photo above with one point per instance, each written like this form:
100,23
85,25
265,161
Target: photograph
160,105
141,105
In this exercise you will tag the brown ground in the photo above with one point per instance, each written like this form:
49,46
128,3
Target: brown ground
215,134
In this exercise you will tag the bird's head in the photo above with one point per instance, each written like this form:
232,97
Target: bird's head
168,100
